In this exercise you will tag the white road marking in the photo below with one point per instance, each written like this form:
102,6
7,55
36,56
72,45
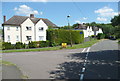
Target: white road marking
88,49
83,70
86,58
81,77
84,64
83,50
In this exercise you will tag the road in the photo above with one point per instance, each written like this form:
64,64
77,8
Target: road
97,62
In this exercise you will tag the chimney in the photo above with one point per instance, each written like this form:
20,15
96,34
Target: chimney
31,15
4,18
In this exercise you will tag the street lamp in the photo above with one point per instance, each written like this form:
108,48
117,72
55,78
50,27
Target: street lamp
69,30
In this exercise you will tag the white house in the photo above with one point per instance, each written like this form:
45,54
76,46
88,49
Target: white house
24,29
88,30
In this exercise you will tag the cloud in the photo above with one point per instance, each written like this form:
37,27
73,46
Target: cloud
85,18
101,19
77,21
25,10
106,12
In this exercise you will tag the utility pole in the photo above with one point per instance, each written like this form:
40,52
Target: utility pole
69,30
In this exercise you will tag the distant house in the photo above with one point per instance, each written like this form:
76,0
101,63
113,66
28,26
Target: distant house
88,30
24,29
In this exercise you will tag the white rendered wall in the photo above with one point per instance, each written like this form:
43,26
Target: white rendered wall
12,33
26,32
42,32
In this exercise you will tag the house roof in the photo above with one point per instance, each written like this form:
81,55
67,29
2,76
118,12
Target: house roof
95,28
84,27
81,26
17,20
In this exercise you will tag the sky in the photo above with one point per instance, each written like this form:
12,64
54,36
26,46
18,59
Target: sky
57,12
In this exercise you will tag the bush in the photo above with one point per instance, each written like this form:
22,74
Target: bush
100,36
32,44
56,37
7,45
19,45
43,43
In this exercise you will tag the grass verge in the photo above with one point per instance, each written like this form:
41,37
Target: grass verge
7,63
83,45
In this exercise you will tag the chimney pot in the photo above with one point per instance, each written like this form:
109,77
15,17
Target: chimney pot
31,15
4,18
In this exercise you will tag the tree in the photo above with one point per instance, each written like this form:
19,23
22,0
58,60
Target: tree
116,20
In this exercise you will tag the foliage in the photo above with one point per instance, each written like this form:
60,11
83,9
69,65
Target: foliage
7,45
116,20
83,45
43,43
32,44
100,36
56,37
19,45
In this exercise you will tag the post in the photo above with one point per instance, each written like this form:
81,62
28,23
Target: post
69,31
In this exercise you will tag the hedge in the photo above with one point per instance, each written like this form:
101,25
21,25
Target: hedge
7,45
56,37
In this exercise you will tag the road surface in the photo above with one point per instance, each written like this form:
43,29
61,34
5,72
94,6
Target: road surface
97,62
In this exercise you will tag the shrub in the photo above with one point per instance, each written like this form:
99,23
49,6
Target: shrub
43,43
56,37
19,45
100,36
7,45
32,44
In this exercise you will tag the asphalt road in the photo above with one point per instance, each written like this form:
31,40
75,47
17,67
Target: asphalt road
97,62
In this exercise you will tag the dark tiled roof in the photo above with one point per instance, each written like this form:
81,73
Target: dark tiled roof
80,26
17,20
95,28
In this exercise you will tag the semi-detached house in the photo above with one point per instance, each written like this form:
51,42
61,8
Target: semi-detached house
24,29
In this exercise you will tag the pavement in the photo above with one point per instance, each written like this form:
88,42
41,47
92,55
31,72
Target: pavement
97,62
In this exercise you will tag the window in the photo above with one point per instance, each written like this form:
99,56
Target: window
40,28
16,28
29,38
8,37
17,38
8,28
28,28
41,38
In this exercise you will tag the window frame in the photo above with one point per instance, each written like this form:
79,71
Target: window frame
17,28
8,37
41,29
28,28
29,38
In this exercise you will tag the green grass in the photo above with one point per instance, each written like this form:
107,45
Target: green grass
7,63
83,45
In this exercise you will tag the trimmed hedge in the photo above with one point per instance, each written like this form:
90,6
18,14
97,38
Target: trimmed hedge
19,45
56,37
43,43
7,45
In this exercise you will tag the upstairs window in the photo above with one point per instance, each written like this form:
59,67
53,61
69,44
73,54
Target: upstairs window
8,37
8,28
28,28
40,28
17,28
29,38
17,38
